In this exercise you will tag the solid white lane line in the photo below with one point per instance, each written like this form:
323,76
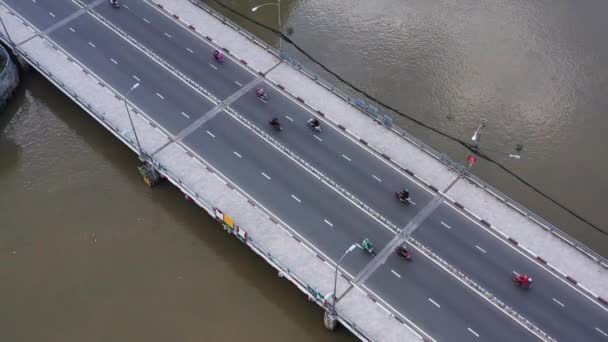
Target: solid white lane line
93,45
52,15
316,137
238,155
146,20
211,134
237,83
558,302
445,225
473,332
288,118
434,302
396,274
601,332
186,115
168,35
265,175
345,157
481,249
136,78
213,66
328,223
189,50
376,178
159,95
113,61
295,198
71,29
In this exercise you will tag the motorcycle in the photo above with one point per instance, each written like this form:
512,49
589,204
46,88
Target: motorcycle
114,3
518,282
368,247
316,128
399,196
402,251
275,124
261,94
219,57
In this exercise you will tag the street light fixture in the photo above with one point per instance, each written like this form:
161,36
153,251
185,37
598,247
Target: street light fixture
333,302
130,119
278,4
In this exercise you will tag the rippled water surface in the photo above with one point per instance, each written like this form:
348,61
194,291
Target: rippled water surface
88,253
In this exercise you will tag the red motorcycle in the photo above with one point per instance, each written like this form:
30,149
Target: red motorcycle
522,280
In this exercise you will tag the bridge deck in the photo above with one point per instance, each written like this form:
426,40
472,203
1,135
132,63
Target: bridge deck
207,137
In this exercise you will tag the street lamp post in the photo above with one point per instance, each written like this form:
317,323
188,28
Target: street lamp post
278,4
130,119
333,302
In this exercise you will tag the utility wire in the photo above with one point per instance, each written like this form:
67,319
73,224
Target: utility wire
472,148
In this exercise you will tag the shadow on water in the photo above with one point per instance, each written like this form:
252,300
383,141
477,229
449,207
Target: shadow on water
9,149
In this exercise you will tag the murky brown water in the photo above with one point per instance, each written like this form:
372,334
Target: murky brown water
88,253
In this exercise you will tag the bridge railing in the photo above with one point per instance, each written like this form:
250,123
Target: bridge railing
378,115
6,69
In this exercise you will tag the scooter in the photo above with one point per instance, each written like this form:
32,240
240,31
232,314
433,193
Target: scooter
114,3
316,128
368,247
519,283
405,201
402,251
219,57
275,124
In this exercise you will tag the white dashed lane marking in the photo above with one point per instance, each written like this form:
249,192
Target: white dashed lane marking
52,14
601,332
238,155
396,274
136,78
316,137
295,198
434,302
71,29
345,157
481,249
113,61
168,35
558,302
473,332
159,95
186,115
189,50
213,66
445,225
265,175
93,45
146,20
376,178
328,223
288,118
237,83
211,134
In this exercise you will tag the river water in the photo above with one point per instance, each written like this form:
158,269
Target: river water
88,253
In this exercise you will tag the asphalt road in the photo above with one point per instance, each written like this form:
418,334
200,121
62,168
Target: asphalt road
553,305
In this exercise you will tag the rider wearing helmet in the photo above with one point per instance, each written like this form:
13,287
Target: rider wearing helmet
314,122
274,121
404,195
524,279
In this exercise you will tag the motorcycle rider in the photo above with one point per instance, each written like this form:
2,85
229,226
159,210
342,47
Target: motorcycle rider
524,280
314,122
274,122
404,195
219,56
367,244
114,3
261,93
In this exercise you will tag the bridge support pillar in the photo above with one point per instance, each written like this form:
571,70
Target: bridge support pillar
149,174
330,320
